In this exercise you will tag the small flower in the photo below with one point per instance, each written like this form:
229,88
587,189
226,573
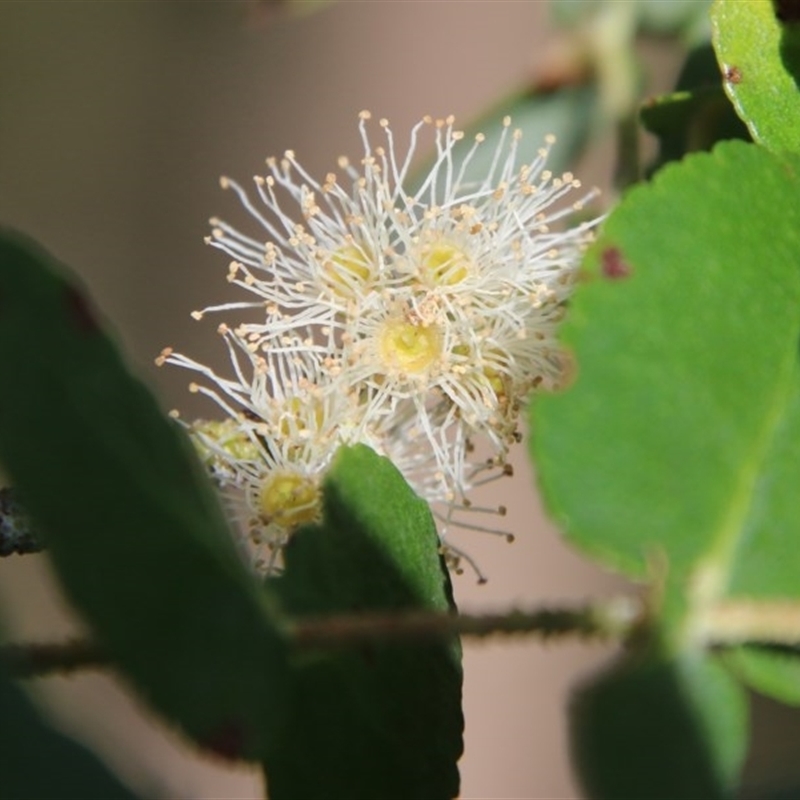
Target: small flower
280,433
416,320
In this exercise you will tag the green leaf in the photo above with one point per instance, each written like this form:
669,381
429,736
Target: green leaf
683,17
679,442
770,672
760,64
132,524
696,115
690,121
661,729
37,762
380,721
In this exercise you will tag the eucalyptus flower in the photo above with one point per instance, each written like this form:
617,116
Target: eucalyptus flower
279,433
416,317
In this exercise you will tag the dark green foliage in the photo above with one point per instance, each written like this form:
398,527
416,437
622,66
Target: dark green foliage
132,523
696,115
37,763
378,721
660,728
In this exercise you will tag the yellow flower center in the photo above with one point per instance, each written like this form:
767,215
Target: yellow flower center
409,349
443,264
289,500
348,267
229,436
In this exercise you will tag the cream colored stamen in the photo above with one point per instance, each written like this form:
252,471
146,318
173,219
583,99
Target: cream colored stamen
443,264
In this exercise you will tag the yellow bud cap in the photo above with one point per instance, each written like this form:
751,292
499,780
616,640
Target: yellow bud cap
229,436
289,500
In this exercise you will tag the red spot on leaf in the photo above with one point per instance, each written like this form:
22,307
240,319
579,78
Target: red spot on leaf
613,265
79,312
732,75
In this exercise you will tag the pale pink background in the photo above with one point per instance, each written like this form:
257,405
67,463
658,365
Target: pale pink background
116,119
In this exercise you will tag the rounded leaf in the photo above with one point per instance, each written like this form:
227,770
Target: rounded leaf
760,61
679,442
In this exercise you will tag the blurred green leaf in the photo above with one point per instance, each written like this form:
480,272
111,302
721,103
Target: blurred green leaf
566,113
381,721
674,17
37,763
653,16
770,672
691,121
760,62
572,12
700,69
662,729
132,524
696,115
679,442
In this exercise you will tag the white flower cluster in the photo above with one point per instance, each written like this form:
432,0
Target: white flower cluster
415,320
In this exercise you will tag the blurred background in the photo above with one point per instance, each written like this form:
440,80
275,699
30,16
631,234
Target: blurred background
116,121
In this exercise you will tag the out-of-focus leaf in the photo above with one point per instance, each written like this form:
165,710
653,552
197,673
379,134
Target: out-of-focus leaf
132,524
760,61
696,115
653,16
381,721
566,113
37,763
700,70
572,12
772,673
679,442
656,16
661,729
690,121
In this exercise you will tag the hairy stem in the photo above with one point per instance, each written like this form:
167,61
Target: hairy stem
613,620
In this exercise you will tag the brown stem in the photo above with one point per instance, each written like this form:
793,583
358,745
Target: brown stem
613,620
36,660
